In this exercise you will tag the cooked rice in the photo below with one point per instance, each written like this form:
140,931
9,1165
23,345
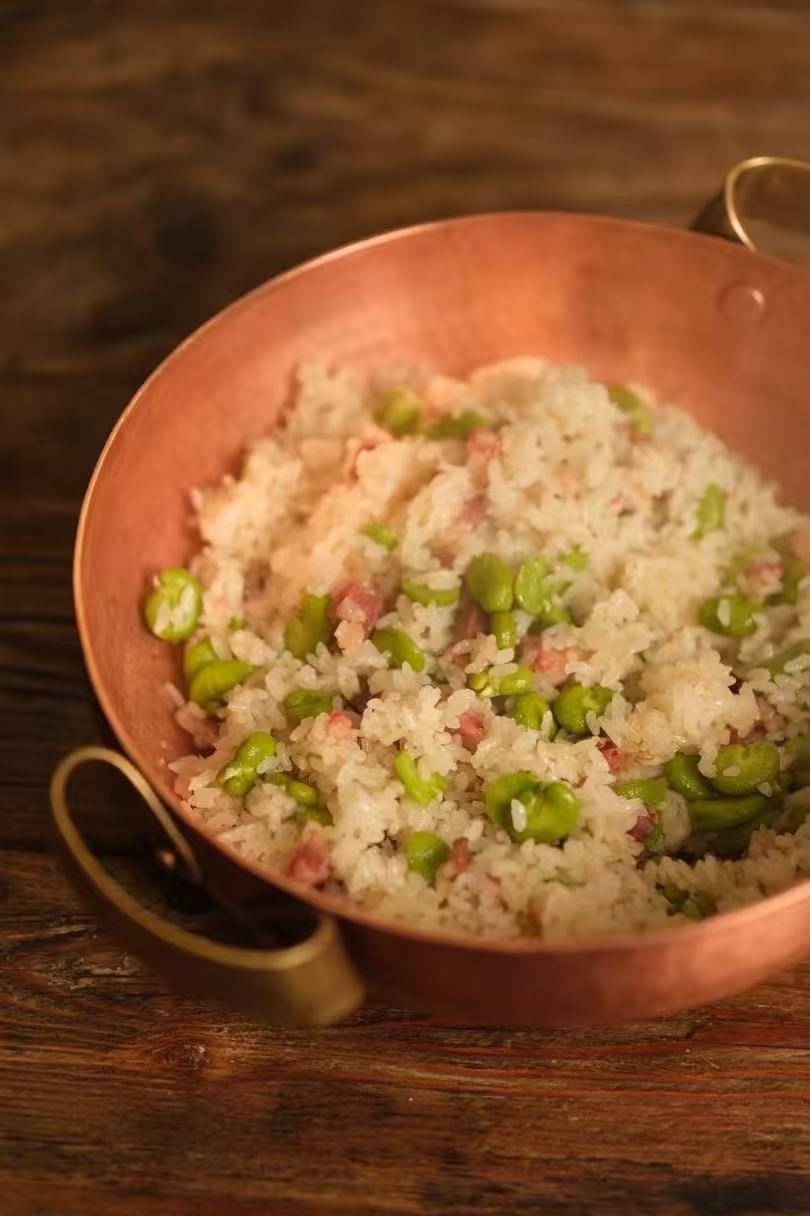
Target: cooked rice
566,470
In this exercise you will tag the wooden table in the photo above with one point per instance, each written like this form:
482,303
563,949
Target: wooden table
158,158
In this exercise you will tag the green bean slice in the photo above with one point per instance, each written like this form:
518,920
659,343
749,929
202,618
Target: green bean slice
173,608
732,616
421,593
420,789
490,582
740,768
425,852
215,680
381,534
399,648
711,512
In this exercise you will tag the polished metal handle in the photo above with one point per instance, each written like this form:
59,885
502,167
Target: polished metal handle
764,203
312,982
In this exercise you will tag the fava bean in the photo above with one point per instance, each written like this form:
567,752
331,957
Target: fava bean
304,703
305,795
733,616
212,682
740,768
172,609
551,613
504,628
309,627
684,776
711,512
421,593
652,791
779,663
399,648
381,534
712,814
514,682
459,426
424,853
574,703
550,813
239,776
399,410
499,793
531,588
577,558
490,582
631,404
531,710
196,656
420,789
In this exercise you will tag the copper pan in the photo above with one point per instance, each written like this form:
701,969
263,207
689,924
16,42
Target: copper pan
709,325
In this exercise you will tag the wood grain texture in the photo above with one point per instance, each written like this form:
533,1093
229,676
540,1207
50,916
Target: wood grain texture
157,158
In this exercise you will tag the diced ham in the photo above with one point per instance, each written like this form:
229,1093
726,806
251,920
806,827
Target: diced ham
310,862
356,602
371,438
482,447
643,827
471,730
473,510
471,621
614,757
542,658
459,858
338,722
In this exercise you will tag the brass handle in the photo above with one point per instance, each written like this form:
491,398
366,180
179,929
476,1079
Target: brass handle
764,204
311,983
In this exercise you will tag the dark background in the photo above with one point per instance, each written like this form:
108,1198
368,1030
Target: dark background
157,159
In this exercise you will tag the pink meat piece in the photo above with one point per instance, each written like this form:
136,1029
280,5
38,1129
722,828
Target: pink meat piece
540,658
338,722
459,858
310,862
615,758
644,825
356,602
471,730
483,444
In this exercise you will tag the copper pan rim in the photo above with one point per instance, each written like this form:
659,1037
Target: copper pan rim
722,925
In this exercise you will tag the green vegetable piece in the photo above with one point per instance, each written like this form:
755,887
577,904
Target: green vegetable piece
630,403
711,512
575,703
510,685
741,767
173,608
211,683
490,582
499,793
797,755
418,788
712,814
424,853
733,616
459,426
551,814
318,814
795,811
652,791
302,792
304,703
399,647
530,709
239,776
504,627
399,410
196,657
421,593
381,534
551,613
531,588
695,904
237,622
778,664
685,777
794,571
310,626
577,559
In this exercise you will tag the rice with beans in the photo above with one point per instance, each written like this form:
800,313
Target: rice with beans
544,463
